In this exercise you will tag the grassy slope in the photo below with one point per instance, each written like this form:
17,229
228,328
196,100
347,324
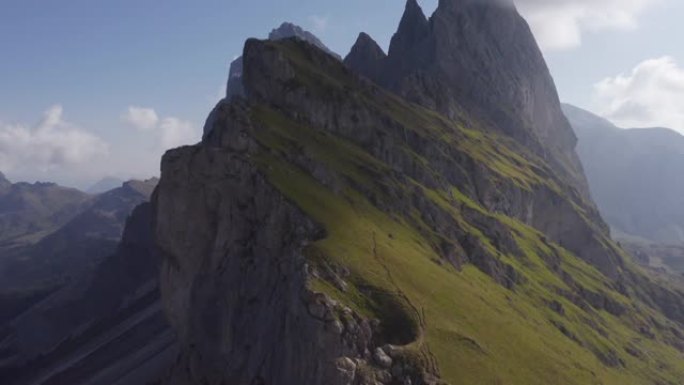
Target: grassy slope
477,331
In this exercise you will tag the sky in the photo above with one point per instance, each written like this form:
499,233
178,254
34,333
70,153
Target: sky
95,88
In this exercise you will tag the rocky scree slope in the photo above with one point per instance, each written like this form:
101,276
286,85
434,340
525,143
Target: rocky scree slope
327,231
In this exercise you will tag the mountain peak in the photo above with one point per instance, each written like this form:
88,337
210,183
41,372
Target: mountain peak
481,55
286,30
413,28
412,7
366,57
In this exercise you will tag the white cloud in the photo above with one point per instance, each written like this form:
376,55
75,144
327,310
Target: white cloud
141,118
560,24
53,143
319,23
171,131
176,132
648,96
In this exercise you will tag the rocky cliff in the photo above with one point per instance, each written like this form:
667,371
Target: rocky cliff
480,57
329,231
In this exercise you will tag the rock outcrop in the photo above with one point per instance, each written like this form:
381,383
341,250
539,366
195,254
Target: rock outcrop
289,30
367,57
285,31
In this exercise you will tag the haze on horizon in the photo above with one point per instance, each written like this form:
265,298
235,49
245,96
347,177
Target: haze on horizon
103,90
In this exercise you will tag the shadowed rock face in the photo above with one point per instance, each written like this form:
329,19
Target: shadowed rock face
482,56
368,55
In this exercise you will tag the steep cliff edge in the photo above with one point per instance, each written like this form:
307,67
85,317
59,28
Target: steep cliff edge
328,232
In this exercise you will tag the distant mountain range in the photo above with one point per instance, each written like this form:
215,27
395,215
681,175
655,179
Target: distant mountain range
79,299
52,235
636,178
91,234
105,327
28,212
104,185
635,175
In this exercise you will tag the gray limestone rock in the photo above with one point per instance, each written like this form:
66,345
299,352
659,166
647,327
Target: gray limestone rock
482,56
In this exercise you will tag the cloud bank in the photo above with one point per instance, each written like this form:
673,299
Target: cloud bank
52,143
560,24
171,131
141,118
650,95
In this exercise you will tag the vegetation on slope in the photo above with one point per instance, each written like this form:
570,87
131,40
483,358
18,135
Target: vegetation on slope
471,292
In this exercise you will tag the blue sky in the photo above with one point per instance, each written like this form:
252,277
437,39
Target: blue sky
71,69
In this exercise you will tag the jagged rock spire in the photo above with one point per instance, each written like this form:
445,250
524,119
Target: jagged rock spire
413,28
366,58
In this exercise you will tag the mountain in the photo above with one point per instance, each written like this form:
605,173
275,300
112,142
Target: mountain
428,227
479,57
105,327
286,30
635,176
78,245
104,185
28,212
667,258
